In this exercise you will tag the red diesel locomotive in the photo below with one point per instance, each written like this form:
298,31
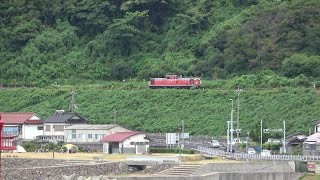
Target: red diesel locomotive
173,81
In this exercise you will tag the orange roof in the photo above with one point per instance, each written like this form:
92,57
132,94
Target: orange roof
119,136
19,118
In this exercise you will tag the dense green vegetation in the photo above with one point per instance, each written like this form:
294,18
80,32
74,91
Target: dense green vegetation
205,111
270,48
175,150
66,41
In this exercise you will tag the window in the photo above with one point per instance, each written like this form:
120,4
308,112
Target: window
58,127
89,136
40,127
69,136
99,136
47,127
74,135
11,130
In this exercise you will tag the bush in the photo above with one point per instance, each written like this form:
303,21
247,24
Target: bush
175,150
29,146
81,149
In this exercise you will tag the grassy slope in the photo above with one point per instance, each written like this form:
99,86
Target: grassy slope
204,111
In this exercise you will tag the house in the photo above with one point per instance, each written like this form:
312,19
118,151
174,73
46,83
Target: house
86,134
125,143
311,146
25,125
294,143
54,125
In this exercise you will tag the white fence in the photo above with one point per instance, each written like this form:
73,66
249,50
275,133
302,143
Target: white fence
215,153
153,159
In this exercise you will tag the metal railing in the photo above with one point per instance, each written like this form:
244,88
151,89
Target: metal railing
153,158
215,153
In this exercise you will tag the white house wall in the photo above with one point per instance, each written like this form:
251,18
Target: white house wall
82,134
139,138
31,131
136,138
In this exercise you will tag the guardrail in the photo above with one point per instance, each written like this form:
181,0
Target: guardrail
154,159
214,153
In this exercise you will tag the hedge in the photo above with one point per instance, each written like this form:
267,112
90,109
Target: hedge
175,150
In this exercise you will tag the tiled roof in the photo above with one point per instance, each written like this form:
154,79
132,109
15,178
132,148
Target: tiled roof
20,118
67,117
119,136
92,127
313,138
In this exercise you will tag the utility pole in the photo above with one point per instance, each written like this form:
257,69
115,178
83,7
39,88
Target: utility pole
284,137
183,134
228,137
114,115
73,103
181,139
261,136
248,133
53,147
231,130
238,111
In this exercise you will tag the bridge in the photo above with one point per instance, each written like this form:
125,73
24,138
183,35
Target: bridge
208,152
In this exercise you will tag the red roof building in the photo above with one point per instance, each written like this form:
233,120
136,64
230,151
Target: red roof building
24,125
20,118
119,136
125,143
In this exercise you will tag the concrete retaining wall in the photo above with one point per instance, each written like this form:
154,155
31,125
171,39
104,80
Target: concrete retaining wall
228,176
276,166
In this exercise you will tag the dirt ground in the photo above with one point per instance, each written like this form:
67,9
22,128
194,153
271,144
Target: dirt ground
106,157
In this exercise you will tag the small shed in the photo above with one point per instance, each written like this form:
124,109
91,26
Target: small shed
125,143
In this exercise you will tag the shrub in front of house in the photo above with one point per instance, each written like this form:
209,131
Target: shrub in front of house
174,150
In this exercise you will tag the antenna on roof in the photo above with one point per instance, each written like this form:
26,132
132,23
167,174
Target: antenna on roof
59,112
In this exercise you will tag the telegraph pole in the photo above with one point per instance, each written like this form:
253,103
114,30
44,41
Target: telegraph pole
231,136
284,137
228,138
73,103
114,115
261,136
183,134
238,111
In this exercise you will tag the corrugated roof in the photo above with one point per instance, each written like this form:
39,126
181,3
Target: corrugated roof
20,118
67,117
119,136
92,127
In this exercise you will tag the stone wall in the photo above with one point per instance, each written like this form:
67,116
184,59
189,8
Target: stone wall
46,169
55,169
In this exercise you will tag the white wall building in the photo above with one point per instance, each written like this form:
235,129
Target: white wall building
126,143
54,125
90,133
25,125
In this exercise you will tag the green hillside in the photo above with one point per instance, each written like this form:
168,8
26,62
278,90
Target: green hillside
47,41
205,111
107,50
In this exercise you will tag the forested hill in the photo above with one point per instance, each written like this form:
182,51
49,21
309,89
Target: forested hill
204,111
53,41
